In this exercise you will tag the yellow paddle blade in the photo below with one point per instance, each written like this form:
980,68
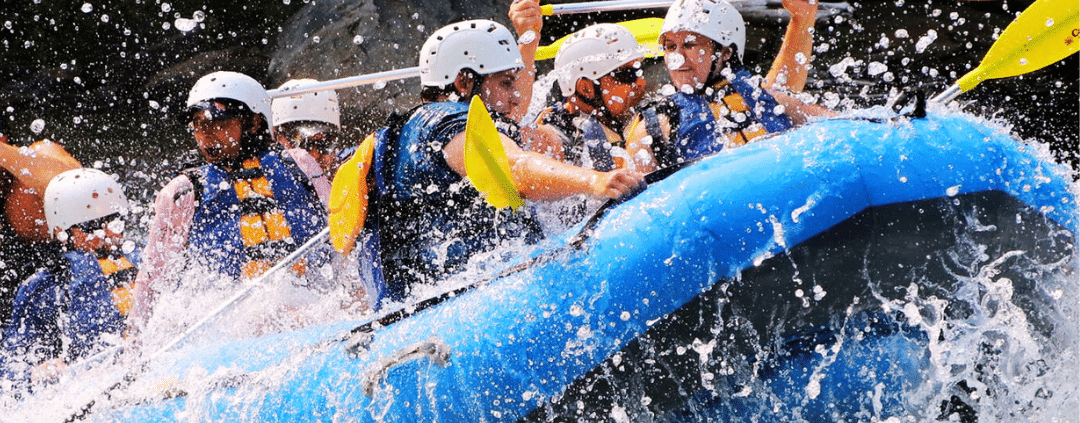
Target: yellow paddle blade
485,159
349,197
646,31
1043,34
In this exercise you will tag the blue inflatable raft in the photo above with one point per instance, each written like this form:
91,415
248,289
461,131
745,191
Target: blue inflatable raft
806,277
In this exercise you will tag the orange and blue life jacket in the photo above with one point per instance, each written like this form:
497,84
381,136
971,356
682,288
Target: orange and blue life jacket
64,310
249,218
735,112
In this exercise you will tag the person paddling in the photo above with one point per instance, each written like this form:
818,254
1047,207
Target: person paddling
428,218
716,101
600,78
250,205
71,309
599,74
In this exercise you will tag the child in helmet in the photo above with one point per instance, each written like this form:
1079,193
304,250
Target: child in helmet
249,206
715,101
310,121
599,73
429,219
74,308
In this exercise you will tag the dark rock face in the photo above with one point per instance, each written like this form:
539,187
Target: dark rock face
330,40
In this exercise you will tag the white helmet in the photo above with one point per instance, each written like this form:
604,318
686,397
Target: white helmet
484,46
82,195
716,19
320,106
234,86
593,52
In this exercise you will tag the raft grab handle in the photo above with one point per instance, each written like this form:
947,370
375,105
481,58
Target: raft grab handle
433,349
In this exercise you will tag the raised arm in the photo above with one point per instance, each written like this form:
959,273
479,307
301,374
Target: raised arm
792,63
525,16
37,164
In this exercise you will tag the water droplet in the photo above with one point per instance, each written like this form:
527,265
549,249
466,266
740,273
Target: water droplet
166,7
1049,22
7,24
876,68
901,33
37,126
105,18
198,16
378,85
166,25
185,25
316,39
87,8
1023,61
359,39
675,60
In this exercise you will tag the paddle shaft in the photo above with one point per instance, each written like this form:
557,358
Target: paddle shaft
1042,34
617,5
352,81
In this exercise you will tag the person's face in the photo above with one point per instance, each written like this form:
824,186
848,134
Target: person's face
218,138
622,89
689,57
100,235
499,91
318,140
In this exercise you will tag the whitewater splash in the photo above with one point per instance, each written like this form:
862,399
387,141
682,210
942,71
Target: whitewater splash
980,325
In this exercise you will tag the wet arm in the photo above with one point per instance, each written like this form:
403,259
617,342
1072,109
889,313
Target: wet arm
538,177
163,258
525,16
37,164
307,164
799,112
792,63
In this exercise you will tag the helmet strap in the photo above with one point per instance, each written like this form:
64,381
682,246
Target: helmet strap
596,102
716,72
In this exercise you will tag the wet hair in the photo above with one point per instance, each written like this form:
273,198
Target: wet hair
436,93
733,62
251,144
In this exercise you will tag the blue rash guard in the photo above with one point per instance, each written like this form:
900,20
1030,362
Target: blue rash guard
63,311
431,220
